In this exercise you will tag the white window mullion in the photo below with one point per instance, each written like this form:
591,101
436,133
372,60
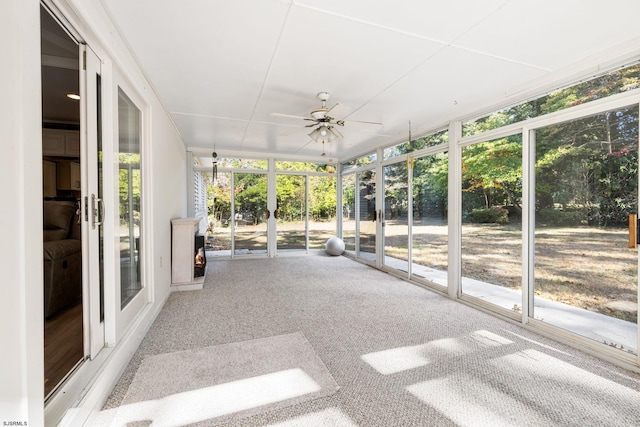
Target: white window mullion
454,220
528,218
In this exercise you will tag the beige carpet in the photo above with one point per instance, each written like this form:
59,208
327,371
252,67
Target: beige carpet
222,383
402,355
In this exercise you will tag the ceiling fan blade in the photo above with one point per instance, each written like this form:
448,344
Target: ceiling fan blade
289,116
359,123
292,131
338,110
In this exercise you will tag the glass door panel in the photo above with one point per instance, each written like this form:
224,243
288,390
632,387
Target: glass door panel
322,210
250,213
94,201
491,222
349,213
219,232
130,188
430,230
367,216
64,258
586,199
396,217
291,212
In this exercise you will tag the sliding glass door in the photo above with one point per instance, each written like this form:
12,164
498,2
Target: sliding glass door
396,217
291,214
367,216
65,241
73,256
250,213
94,205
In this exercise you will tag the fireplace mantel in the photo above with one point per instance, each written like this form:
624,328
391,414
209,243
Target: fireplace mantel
183,231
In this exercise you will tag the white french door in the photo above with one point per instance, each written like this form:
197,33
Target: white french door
92,201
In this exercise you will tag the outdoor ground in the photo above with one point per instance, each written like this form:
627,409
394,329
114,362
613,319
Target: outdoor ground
586,267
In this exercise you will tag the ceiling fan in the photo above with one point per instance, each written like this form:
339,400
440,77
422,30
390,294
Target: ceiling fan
325,121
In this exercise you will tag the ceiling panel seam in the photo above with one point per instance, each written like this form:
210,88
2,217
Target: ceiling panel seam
266,75
501,58
373,24
208,116
479,52
422,37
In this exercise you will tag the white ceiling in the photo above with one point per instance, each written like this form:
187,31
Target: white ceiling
221,66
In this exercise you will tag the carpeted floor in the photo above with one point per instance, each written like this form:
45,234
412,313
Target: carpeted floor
242,379
401,355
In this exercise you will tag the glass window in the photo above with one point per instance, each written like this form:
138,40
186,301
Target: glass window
361,161
349,212
491,222
130,189
219,212
367,217
291,193
302,166
396,216
429,229
431,140
251,214
586,197
322,210
243,164
617,81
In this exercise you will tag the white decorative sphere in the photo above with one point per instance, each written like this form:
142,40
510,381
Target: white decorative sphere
334,246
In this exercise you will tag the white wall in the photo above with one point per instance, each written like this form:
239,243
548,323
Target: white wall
21,301
169,163
21,309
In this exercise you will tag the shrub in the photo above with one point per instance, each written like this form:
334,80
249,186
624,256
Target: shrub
551,216
496,214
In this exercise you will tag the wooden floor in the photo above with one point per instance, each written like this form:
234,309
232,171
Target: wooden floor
63,347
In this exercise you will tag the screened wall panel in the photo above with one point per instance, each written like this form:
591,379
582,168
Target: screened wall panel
586,196
492,222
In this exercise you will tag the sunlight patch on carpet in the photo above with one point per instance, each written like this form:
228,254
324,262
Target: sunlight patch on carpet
222,383
468,401
596,393
401,359
333,417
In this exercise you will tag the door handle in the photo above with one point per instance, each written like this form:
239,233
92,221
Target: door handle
100,203
97,211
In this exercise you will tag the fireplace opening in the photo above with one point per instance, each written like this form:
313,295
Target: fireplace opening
200,258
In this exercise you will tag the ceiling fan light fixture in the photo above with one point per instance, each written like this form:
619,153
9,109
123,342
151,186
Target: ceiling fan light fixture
333,134
324,133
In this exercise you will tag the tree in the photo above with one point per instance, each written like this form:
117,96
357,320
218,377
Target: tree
494,169
251,196
219,198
